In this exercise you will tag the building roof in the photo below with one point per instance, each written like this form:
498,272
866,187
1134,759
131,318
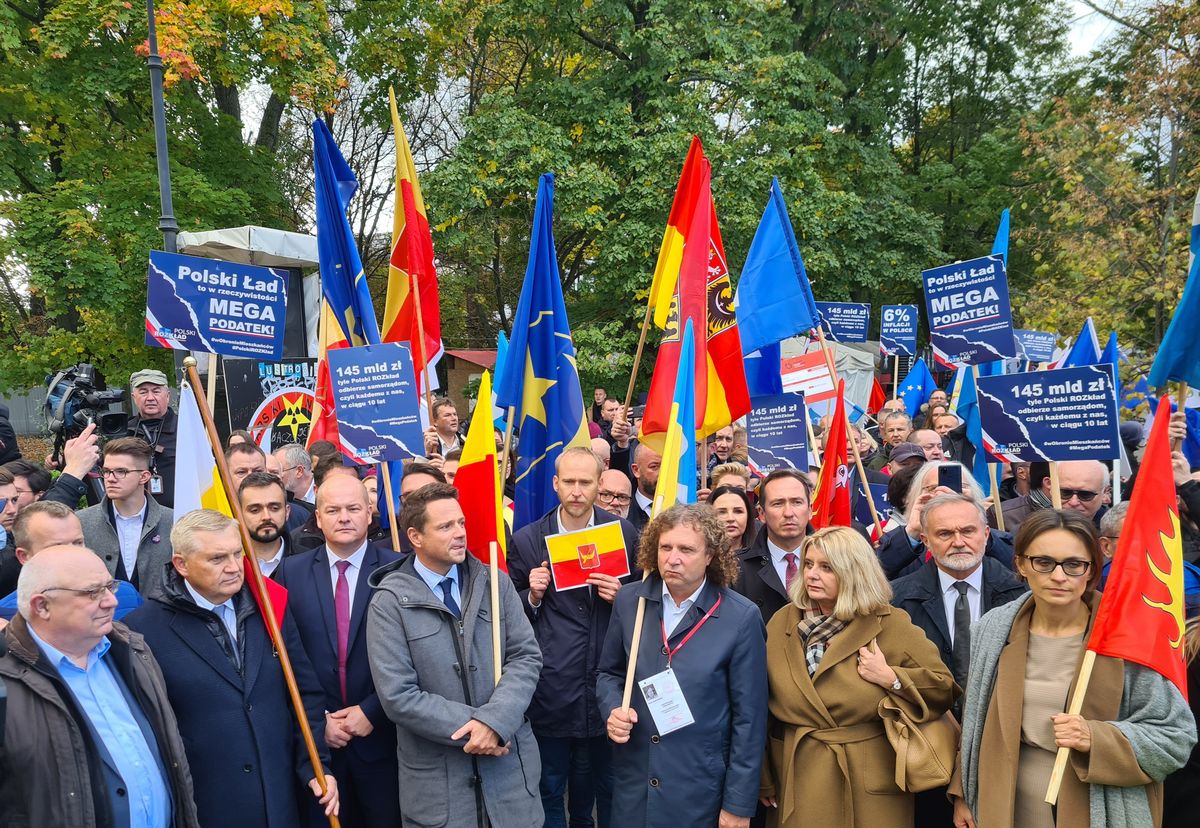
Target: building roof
486,359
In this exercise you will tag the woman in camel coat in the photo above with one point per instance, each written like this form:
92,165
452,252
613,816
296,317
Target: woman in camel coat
828,760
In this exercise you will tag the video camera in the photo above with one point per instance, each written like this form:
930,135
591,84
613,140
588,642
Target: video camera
77,397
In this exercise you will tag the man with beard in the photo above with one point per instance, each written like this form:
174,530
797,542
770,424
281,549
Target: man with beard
646,464
265,510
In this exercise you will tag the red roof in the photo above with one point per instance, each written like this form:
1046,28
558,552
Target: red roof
487,359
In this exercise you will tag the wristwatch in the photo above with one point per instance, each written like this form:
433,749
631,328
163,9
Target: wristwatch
896,684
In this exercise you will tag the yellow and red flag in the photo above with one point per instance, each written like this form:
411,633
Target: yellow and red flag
692,266
576,555
831,500
412,264
478,481
324,425
1141,617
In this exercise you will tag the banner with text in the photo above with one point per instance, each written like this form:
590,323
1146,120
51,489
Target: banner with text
777,433
808,374
1035,346
378,408
970,320
898,330
845,321
1068,414
197,304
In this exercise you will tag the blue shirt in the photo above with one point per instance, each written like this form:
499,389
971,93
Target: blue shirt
434,580
226,611
98,692
128,599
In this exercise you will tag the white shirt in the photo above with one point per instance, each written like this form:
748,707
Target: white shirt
590,522
268,566
673,614
226,611
950,596
311,495
129,536
645,502
356,561
777,560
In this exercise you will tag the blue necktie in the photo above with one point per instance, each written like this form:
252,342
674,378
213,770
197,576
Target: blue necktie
448,597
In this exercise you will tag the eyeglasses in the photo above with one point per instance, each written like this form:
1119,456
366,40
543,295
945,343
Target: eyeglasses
95,593
119,474
1072,566
614,497
1083,494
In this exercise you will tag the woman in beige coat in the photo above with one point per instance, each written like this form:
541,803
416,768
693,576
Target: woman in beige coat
833,654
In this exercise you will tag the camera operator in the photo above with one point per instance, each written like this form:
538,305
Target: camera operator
157,424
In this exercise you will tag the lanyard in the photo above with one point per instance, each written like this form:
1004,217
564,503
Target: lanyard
691,632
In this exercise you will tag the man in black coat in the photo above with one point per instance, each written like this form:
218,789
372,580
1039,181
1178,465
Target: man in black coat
785,508
644,469
570,627
225,683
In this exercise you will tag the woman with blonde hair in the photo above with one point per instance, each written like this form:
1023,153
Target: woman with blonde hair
834,654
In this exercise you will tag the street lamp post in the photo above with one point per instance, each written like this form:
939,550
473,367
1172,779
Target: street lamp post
166,222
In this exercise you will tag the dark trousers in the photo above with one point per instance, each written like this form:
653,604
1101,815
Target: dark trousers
580,769
369,792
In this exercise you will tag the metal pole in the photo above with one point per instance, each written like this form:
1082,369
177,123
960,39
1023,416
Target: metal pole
166,222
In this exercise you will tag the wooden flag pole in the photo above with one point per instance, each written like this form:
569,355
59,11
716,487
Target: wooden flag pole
508,432
638,618
268,611
494,578
812,438
1055,492
895,375
1060,759
1180,398
385,473
213,362
637,361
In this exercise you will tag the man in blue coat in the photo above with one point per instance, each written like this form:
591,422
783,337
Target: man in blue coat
327,597
570,627
226,686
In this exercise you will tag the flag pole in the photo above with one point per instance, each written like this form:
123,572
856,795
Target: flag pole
1081,686
268,611
391,503
637,359
895,375
213,362
636,642
494,577
812,437
424,356
508,432
1180,397
1055,492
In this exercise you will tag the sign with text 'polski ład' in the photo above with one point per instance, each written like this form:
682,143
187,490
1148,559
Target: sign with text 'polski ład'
227,308
1068,414
378,407
970,320
777,433
845,321
898,330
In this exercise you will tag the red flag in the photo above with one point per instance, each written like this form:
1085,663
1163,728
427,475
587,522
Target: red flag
478,482
831,500
878,398
1141,616
276,592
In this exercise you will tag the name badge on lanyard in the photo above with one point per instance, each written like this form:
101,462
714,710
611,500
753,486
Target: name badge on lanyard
664,697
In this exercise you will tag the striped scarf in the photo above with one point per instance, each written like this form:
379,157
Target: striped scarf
816,631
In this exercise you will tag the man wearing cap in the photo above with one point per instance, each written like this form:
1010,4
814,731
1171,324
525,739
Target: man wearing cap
157,424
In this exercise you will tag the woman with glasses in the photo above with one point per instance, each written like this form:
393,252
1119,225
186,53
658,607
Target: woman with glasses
735,514
1135,727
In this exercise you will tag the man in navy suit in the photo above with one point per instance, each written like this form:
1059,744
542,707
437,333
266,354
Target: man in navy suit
328,596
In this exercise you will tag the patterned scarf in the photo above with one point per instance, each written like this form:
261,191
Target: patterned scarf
816,630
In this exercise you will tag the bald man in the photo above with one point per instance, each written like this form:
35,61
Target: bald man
616,493
80,685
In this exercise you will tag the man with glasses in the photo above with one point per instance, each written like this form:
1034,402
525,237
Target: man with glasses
129,529
295,469
1081,484
84,688
616,493
158,425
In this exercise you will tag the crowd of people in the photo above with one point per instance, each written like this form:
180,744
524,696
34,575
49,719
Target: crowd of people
141,686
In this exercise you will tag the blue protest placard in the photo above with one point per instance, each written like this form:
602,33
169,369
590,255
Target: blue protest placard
970,319
845,321
227,308
1068,414
777,433
378,407
862,510
1035,346
898,330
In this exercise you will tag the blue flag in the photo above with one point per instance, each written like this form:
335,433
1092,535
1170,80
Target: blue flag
677,474
1085,350
1191,442
1000,245
1178,356
968,411
1112,356
540,380
916,388
497,372
774,298
1136,394
342,280
763,375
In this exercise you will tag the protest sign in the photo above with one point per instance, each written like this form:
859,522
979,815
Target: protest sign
845,321
1067,414
1035,346
862,511
378,407
970,320
596,550
777,433
197,304
808,374
271,400
898,330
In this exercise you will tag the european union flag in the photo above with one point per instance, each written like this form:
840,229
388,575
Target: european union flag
916,388
540,380
1178,356
968,411
1085,350
342,278
774,299
1136,394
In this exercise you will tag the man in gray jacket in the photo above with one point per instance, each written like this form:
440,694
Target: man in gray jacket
467,754
128,528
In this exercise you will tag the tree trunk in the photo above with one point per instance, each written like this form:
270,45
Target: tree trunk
268,130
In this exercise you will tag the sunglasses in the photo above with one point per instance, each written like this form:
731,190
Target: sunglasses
1083,494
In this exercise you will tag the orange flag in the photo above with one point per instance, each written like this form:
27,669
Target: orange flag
1141,615
478,481
831,500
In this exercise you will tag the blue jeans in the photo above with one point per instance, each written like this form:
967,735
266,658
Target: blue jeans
584,766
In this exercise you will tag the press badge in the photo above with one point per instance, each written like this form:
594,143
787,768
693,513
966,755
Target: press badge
665,701
156,485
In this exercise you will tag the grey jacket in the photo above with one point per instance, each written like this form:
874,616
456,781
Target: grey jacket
154,551
433,674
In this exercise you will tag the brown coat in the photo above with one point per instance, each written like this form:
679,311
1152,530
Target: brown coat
828,760
1111,760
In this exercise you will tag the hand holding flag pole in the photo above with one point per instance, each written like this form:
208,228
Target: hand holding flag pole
268,611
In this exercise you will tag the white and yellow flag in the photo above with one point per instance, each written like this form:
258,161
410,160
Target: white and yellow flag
197,482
